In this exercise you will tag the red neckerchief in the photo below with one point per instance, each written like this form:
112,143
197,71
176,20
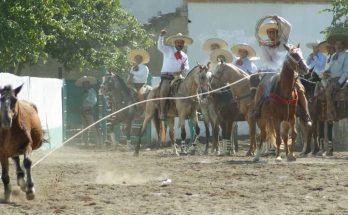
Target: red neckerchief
239,62
178,55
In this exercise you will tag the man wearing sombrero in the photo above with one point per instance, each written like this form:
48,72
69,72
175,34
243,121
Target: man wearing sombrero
214,43
273,53
89,101
138,74
175,63
244,52
338,69
316,60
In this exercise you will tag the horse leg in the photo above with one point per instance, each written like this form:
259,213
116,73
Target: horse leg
215,139
227,137
183,134
305,142
207,136
235,136
6,178
315,138
20,173
142,130
263,135
197,130
284,134
30,191
276,126
252,134
291,156
128,135
171,136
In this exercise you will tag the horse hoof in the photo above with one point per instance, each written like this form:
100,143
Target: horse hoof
278,159
256,159
205,153
302,154
7,198
21,183
291,158
30,196
249,154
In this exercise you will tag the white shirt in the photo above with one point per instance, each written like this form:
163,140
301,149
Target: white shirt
318,62
338,67
273,57
170,63
89,99
247,66
140,76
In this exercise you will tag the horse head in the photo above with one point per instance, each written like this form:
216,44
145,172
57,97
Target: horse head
8,102
200,78
296,60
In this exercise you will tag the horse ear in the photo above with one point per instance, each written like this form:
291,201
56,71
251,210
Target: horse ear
18,89
298,45
286,47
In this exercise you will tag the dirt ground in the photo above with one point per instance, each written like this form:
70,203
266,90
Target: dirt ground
108,181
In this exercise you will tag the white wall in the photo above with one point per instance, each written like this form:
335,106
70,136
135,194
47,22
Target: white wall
235,23
143,10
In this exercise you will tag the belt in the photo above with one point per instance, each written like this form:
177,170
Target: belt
171,73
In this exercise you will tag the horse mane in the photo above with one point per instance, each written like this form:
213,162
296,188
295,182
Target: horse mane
123,84
191,71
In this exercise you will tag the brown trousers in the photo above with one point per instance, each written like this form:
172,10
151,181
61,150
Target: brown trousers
331,88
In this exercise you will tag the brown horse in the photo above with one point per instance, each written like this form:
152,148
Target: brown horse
21,133
279,110
195,82
228,73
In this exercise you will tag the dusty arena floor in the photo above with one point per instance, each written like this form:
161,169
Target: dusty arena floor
108,181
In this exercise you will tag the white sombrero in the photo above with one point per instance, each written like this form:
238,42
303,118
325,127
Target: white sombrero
251,52
268,25
214,43
171,40
313,44
90,79
143,53
221,53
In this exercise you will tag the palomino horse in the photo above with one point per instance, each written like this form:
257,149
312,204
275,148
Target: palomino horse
195,82
119,95
21,133
280,108
228,73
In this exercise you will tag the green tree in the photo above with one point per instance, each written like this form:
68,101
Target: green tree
339,23
78,33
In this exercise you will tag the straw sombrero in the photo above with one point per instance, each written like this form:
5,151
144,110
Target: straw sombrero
171,40
221,53
214,43
313,44
143,53
249,49
323,46
339,36
268,25
90,79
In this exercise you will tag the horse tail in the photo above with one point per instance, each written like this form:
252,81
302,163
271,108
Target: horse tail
271,134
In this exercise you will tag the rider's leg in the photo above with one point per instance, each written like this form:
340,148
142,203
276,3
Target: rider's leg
258,101
303,102
164,92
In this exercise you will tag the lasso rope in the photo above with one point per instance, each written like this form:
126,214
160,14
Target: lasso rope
137,103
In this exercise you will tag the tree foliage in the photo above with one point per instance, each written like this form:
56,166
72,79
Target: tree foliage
339,23
78,33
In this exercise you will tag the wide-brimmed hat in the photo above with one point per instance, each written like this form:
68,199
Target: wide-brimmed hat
271,24
339,36
142,52
324,45
214,43
90,79
221,53
171,40
313,44
235,49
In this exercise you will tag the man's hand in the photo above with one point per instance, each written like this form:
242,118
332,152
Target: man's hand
163,32
182,67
